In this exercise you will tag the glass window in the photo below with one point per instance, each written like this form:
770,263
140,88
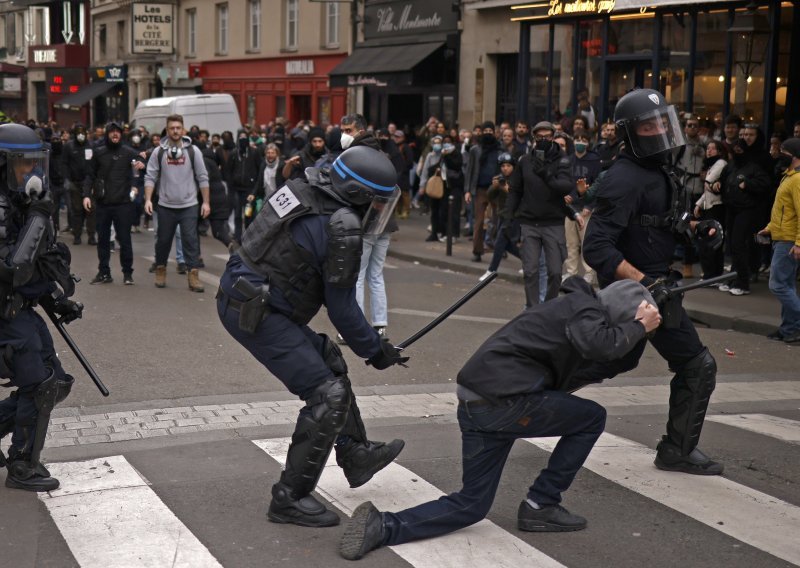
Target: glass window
291,23
191,31
324,115
332,25
101,42
709,70
254,7
676,36
747,82
251,109
781,87
590,61
563,62
538,80
120,39
634,34
280,106
222,28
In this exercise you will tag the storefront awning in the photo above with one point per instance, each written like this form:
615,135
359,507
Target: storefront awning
87,93
378,65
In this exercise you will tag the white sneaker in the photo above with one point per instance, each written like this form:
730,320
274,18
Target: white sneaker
739,292
724,288
485,275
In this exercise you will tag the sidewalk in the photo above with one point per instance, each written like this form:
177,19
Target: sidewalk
757,313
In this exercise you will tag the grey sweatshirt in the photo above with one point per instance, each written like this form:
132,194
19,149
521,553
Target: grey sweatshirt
177,184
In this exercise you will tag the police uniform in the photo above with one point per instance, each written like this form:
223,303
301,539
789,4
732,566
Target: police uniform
302,251
31,264
640,210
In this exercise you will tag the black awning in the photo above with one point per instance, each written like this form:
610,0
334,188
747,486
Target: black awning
87,93
376,65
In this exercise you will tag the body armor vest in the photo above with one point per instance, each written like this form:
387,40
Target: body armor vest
269,249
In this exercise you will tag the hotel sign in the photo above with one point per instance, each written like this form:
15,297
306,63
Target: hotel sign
561,8
410,18
152,29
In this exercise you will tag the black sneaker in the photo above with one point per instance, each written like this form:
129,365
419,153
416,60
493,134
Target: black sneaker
305,512
181,268
76,240
476,258
102,279
775,335
669,458
361,460
793,339
550,518
364,532
127,279
22,476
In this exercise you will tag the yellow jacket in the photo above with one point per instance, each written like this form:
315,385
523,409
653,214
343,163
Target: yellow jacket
783,222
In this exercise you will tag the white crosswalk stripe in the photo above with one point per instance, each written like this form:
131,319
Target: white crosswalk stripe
772,426
109,516
395,488
750,516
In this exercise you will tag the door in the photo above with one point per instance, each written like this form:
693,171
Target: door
625,75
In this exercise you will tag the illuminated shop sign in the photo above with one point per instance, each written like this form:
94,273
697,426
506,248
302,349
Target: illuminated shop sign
560,8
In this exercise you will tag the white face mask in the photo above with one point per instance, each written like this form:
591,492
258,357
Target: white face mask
136,139
80,137
346,141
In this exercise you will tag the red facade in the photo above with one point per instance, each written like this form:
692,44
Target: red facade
295,87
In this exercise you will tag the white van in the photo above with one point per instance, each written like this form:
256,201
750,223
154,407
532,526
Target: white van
213,112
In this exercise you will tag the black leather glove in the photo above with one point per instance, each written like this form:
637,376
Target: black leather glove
386,357
702,230
66,309
658,289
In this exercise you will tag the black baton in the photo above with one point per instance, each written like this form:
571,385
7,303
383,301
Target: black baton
446,314
86,365
703,283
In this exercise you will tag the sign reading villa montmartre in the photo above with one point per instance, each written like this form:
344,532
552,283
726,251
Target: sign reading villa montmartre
397,18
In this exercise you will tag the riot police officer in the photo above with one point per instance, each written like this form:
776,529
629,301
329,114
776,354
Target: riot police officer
32,268
632,234
302,251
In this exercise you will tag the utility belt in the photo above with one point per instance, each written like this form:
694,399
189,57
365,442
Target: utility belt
655,221
254,309
11,305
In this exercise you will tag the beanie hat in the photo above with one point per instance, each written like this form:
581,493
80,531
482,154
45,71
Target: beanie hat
487,124
792,145
622,298
316,132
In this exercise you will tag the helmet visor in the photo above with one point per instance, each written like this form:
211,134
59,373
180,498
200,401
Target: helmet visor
27,171
654,132
379,212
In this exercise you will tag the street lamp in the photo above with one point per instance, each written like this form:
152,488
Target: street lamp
753,30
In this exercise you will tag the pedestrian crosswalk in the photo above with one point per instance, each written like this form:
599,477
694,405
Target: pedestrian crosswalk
111,515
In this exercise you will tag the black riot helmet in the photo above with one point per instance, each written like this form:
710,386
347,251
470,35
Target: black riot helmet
25,159
649,126
364,176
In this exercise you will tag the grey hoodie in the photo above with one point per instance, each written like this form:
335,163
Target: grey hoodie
177,184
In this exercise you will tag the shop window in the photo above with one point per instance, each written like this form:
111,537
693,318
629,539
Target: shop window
506,86
222,29
631,34
538,80
332,25
563,73
710,58
676,36
782,80
590,61
254,9
191,32
292,9
324,110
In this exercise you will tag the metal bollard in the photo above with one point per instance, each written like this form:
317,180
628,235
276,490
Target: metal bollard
450,201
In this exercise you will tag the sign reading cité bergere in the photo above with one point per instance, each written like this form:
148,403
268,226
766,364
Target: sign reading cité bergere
153,28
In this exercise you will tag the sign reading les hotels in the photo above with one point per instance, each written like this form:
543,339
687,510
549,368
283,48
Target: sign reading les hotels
395,18
152,29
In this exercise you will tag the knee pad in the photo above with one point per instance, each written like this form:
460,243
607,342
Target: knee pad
700,373
332,356
52,391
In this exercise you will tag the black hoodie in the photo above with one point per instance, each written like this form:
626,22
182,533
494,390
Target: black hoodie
754,168
544,346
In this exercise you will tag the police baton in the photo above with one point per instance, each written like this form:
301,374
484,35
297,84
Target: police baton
703,283
71,342
446,314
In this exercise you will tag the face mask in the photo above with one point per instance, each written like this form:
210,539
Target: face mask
580,147
346,140
544,145
80,137
448,148
136,139
437,148
487,139
243,144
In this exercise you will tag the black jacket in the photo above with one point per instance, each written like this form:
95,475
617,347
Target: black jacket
537,189
74,159
545,345
243,169
615,232
218,191
110,167
754,168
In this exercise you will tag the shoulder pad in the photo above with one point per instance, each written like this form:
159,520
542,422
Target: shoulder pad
343,258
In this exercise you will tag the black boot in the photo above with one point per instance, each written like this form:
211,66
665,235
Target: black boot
669,458
548,518
364,532
361,460
305,511
22,476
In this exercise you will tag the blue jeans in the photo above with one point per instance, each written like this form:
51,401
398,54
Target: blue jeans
373,256
487,435
168,222
783,285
